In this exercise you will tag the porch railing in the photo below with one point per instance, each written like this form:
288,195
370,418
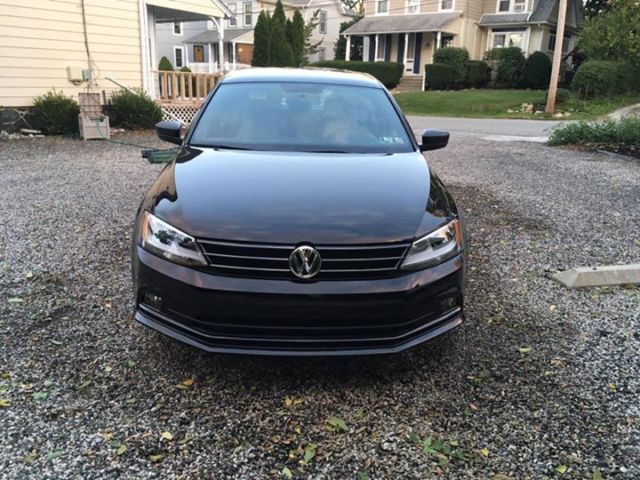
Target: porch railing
184,87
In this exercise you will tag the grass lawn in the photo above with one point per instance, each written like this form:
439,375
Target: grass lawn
495,103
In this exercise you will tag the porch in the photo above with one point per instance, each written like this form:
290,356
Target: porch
408,39
207,54
179,93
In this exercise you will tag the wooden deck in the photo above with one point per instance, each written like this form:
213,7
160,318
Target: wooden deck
181,93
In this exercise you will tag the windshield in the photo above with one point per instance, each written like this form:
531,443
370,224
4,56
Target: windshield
302,117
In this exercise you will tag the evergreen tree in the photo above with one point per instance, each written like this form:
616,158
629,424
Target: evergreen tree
262,41
296,37
340,49
281,53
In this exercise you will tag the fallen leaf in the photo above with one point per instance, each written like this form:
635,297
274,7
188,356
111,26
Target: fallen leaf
612,387
108,369
309,452
561,469
286,473
131,363
29,274
524,349
15,300
30,458
39,395
55,342
156,458
185,384
552,308
337,424
4,403
167,436
484,452
54,454
121,449
597,475
47,383
363,476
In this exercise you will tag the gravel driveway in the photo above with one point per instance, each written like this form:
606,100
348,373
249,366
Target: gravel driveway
538,382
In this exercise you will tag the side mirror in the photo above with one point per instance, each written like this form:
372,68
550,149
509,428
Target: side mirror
433,139
169,131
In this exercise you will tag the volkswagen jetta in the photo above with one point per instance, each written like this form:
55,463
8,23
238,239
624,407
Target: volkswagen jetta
299,217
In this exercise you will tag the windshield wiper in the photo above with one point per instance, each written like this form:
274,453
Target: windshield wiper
223,146
329,150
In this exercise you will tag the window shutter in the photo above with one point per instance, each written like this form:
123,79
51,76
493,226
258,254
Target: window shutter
372,48
387,48
416,56
400,47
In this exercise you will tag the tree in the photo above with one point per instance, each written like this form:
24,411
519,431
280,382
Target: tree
311,48
262,41
593,8
281,52
295,35
613,35
340,49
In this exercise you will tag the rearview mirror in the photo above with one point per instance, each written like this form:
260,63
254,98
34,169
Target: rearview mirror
433,139
169,131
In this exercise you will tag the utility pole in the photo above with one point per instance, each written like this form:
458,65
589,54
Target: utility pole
557,58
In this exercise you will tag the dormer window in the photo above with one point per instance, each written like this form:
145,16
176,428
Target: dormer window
445,5
382,6
512,6
413,6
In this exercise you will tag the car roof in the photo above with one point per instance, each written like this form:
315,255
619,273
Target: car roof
302,75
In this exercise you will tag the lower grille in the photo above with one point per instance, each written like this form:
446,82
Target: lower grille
257,260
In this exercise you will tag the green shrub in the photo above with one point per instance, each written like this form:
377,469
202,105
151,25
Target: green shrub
56,114
387,73
133,110
478,74
508,64
456,58
165,65
438,76
601,77
537,71
185,70
608,134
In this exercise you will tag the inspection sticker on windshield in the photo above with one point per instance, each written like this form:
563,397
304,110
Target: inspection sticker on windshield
391,140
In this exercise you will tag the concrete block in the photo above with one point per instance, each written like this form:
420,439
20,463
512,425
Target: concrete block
599,276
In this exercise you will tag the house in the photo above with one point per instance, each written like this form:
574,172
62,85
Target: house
197,45
76,46
409,31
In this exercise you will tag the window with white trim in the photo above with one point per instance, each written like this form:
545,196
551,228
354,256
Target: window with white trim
413,6
512,6
178,57
177,28
447,41
382,6
322,54
322,21
445,5
508,39
552,42
247,11
232,21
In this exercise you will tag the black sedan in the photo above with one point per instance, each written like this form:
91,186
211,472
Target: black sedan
299,218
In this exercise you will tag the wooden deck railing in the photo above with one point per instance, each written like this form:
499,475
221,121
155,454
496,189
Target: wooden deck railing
184,87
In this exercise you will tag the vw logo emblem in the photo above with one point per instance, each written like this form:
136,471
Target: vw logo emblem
305,262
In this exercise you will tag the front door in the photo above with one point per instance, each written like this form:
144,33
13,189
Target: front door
198,53
410,50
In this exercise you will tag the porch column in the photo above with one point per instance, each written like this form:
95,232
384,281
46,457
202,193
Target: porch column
375,47
221,44
233,52
439,39
406,49
210,57
347,54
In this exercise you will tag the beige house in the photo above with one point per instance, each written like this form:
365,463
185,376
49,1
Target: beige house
409,31
76,45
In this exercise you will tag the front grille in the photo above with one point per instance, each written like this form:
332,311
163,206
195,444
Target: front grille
256,260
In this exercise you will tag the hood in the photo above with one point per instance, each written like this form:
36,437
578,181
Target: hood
291,197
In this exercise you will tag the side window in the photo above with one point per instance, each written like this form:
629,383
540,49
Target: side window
322,22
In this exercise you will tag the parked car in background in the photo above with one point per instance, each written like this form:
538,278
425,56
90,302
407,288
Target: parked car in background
299,218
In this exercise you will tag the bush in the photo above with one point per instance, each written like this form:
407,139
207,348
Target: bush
478,74
457,59
185,70
507,63
56,114
619,134
387,73
438,76
133,110
537,71
601,77
165,65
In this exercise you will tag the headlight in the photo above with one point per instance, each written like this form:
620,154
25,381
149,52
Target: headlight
434,248
166,241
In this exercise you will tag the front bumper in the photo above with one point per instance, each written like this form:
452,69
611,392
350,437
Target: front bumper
280,317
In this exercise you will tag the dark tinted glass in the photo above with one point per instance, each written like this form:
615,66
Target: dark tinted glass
302,117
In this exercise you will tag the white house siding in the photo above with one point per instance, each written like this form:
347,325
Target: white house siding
334,18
